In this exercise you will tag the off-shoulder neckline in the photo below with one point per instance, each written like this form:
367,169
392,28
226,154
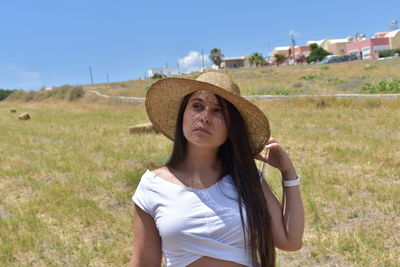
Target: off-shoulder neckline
186,187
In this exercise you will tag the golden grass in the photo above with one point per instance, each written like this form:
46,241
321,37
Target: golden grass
67,175
346,77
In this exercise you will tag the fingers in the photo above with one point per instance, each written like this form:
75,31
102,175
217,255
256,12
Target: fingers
273,144
271,141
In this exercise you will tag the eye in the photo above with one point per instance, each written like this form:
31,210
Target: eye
196,106
218,110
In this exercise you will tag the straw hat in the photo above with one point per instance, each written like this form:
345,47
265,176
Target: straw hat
164,97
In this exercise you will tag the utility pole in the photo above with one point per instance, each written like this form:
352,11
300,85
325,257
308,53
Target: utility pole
91,75
293,44
108,80
202,57
179,71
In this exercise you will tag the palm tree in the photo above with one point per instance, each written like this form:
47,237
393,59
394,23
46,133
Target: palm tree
256,59
216,56
279,58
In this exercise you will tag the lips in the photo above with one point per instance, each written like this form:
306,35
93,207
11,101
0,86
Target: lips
202,130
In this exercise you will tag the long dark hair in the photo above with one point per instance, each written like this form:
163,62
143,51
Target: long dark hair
238,161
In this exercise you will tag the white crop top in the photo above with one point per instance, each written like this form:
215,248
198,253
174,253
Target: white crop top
194,222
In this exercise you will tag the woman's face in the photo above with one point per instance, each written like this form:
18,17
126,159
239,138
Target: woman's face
203,120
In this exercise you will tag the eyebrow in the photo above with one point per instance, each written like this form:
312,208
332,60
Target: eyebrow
201,100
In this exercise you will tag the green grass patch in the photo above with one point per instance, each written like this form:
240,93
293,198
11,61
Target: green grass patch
382,87
308,77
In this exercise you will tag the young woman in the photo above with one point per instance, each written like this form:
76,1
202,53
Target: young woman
209,205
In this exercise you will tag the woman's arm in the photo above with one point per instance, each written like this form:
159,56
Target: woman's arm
288,217
146,241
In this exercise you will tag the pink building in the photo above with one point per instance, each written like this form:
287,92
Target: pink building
304,50
367,48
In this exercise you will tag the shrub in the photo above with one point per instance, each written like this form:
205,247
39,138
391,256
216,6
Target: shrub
158,76
317,53
279,58
383,87
74,93
282,91
5,93
389,52
17,95
335,81
275,91
308,77
30,96
65,92
60,92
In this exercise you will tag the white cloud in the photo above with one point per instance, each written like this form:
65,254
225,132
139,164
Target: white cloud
193,62
13,76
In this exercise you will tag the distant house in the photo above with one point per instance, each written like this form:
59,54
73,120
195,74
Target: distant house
163,71
322,43
338,46
394,39
393,36
283,50
304,50
367,48
299,51
235,62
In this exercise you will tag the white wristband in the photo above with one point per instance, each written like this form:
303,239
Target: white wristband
289,183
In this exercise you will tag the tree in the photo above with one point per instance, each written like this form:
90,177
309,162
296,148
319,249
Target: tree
158,76
256,59
279,58
216,56
5,93
317,53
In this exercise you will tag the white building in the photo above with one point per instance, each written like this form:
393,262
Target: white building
163,71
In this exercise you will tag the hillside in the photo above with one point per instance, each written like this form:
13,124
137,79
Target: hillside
346,77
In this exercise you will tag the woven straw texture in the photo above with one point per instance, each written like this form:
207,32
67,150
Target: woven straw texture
164,97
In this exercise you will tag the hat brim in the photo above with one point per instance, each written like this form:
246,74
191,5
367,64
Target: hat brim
164,98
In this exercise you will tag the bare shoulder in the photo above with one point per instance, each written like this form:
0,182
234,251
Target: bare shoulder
160,171
166,174
163,172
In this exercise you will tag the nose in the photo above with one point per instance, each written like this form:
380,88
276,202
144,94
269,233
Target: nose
205,117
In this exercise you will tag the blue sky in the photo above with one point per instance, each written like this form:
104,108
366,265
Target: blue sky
51,43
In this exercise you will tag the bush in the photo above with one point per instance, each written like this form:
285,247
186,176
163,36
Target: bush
274,91
308,77
74,93
317,53
30,96
158,76
65,92
383,87
5,93
17,95
389,52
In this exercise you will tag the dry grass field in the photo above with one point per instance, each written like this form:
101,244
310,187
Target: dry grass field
67,176
346,77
